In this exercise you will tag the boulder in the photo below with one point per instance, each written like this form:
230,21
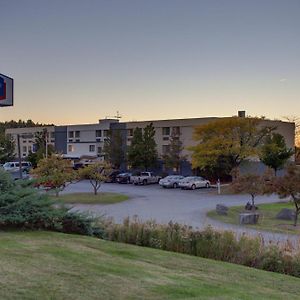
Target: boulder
249,218
221,209
286,214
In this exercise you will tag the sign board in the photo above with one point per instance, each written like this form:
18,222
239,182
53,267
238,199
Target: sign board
6,91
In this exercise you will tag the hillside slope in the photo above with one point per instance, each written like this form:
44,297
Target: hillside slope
46,265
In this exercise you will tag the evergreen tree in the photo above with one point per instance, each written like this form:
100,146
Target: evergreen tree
7,147
274,152
113,148
150,153
135,153
173,157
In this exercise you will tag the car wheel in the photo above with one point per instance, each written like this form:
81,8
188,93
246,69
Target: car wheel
175,185
207,185
193,187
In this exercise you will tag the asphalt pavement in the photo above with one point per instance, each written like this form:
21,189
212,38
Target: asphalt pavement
164,205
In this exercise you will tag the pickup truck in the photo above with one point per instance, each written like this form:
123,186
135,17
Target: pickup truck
144,178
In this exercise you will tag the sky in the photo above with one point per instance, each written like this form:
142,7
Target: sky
75,62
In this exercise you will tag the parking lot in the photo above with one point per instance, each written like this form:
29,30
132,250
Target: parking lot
165,205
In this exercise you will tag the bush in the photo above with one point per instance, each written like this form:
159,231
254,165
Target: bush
208,243
22,206
77,223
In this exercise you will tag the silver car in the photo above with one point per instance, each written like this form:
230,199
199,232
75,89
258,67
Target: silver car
194,182
171,181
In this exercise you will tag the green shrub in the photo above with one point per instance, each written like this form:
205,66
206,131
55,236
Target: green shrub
22,206
208,243
77,223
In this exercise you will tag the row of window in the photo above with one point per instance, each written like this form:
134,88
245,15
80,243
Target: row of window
98,134
92,148
165,131
104,133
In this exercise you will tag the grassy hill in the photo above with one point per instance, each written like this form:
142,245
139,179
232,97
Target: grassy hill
46,265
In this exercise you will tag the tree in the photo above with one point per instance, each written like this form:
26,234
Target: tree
289,186
7,147
96,174
150,153
232,139
173,157
135,154
113,148
274,152
40,148
251,184
54,173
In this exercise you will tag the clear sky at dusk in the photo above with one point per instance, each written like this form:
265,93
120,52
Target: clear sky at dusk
78,61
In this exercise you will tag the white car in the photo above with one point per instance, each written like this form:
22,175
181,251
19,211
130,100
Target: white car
194,182
13,166
171,181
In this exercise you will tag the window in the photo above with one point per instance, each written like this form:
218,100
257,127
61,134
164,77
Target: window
176,130
77,134
166,130
24,149
71,148
98,133
130,132
29,149
165,149
52,135
92,148
99,150
105,133
165,138
71,134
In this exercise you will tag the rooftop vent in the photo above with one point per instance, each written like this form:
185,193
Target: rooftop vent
242,114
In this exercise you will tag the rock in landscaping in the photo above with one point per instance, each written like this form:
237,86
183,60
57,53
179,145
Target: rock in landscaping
249,218
286,214
221,209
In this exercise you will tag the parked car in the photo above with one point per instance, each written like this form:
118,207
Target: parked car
194,182
171,181
78,165
13,166
124,178
145,178
112,177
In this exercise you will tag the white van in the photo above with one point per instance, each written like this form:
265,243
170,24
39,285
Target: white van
13,166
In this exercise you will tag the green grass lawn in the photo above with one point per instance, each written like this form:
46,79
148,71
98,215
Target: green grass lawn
267,220
90,198
47,265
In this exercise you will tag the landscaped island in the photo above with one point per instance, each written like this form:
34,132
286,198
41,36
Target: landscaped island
90,198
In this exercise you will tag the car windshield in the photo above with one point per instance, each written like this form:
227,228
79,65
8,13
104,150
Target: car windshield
189,178
170,177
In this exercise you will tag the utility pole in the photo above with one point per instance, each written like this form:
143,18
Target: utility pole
20,158
46,142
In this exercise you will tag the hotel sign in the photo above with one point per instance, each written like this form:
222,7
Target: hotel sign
6,91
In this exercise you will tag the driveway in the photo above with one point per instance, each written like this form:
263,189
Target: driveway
165,205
